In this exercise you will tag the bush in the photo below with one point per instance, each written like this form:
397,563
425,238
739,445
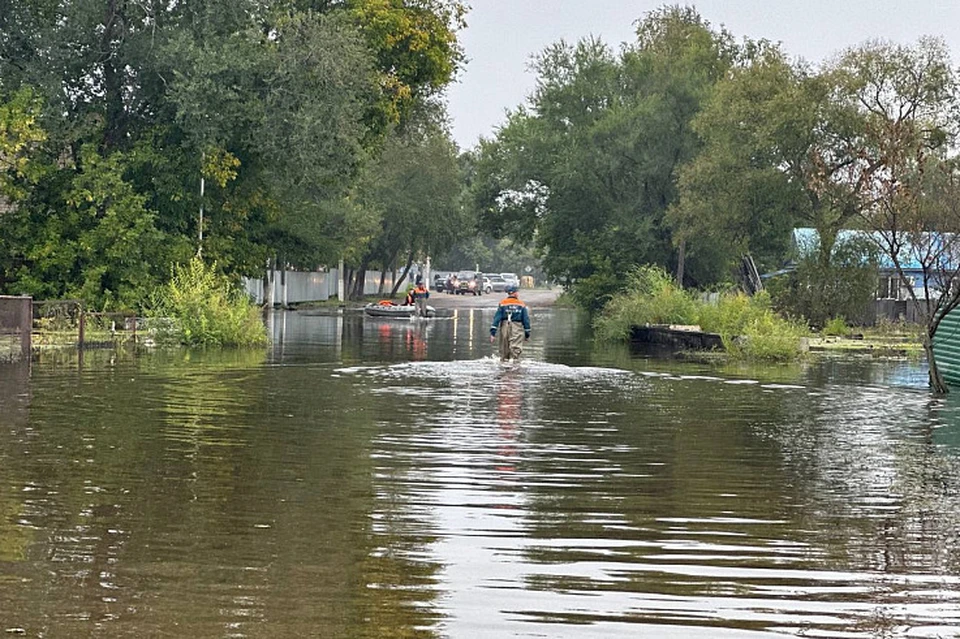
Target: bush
844,287
651,297
204,308
748,326
770,337
836,327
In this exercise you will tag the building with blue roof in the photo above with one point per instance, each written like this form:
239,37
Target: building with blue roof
889,284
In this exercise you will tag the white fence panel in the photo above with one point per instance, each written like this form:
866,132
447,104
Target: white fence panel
314,286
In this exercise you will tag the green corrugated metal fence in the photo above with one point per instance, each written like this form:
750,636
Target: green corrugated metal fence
946,347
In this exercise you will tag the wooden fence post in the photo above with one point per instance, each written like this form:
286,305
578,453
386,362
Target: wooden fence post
26,327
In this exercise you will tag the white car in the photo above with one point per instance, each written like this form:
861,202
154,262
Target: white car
511,278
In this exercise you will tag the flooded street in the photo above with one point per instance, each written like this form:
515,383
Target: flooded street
382,478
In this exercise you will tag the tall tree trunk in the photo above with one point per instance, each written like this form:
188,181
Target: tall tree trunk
383,281
403,276
283,281
360,281
114,25
383,274
349,283
828,239
937,384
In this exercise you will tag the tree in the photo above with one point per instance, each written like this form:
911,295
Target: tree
780,151
415,187
277,105
907,98
589,169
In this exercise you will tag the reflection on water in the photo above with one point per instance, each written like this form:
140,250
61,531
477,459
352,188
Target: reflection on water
378,478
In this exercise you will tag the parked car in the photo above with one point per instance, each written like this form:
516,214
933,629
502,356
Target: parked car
486,286
497,283
468,283
511,278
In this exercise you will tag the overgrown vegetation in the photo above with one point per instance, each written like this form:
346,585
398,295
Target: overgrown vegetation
820,290
836,327
112,113
201,307
748,326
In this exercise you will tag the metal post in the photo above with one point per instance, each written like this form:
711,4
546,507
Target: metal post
202,184
82,321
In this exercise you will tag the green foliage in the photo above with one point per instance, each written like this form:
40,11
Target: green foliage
836,327
20,135
650,297
769,337
750,328
416,48
588,170
279,104
199,306
817,290
415,187
734,196
747,325
100,243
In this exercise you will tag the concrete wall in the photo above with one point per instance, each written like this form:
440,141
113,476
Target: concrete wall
310,286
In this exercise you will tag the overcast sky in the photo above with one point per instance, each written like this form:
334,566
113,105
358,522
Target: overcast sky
502,35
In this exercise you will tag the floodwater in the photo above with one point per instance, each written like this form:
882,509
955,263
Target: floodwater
381,478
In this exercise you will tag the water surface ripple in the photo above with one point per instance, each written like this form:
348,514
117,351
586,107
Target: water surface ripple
391,479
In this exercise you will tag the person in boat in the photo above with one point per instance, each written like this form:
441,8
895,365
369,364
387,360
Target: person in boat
511,324
420,295
409,299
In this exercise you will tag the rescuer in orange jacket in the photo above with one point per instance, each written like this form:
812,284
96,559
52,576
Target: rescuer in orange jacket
420,295
512,323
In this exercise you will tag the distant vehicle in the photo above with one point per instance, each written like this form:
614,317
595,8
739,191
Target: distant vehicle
451,284
468,283
497,283
439,282
511,278
486,286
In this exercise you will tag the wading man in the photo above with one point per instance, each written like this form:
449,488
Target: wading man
512,323
420,295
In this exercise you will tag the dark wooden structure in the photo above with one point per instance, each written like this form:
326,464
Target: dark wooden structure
677,338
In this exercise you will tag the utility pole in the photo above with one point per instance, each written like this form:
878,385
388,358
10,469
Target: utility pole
202,185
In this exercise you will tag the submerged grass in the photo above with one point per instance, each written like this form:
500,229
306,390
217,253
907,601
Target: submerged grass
748,326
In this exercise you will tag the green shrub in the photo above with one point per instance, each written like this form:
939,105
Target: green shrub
201,307
651,297
836,327
747,325
769,337
843,287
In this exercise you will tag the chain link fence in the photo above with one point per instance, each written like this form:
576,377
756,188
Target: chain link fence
65,323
